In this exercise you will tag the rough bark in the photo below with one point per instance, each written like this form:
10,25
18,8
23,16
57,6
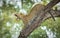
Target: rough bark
28,29
40,17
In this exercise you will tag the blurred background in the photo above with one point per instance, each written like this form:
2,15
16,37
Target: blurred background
10,27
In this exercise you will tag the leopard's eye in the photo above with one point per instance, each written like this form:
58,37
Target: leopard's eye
21,14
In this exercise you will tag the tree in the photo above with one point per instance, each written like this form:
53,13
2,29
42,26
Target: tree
25,32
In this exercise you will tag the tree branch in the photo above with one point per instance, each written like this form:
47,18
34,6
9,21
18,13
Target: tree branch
40,17
30,28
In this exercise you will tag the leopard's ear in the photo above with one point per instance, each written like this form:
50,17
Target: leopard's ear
21,14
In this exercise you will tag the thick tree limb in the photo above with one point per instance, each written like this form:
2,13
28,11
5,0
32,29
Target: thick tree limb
29,29
40,17
50,5
53,12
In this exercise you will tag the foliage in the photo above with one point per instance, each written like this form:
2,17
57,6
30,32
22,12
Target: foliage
48,27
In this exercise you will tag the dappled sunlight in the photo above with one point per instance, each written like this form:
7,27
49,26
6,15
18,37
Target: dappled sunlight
23,11
49,33
8,24
15,30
